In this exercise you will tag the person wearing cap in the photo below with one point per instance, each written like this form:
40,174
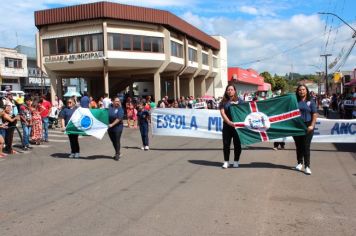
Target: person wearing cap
11,102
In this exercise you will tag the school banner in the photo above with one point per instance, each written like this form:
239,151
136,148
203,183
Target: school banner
203,123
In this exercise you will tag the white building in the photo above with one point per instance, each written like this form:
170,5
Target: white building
13,67
114,46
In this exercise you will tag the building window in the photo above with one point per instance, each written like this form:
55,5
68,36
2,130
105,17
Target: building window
147,44
137,43
215,62
13,63
157,44
97,42
78,44
205,59
114,41
126,42
72,45
176,49
62,45
192,55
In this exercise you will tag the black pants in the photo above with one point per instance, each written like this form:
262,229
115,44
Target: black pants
302,144
115,137
9,137
74,143
326,112
144,134
228,133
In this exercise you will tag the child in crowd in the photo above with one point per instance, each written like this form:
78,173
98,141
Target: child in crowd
143,120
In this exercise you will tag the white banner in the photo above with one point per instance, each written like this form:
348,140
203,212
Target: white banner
208,124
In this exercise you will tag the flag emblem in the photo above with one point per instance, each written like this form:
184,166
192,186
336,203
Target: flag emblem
257,122
86,122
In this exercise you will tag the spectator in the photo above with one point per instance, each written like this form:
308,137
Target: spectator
325,104
9,134
44,108
85,100
26,122
36,129
106,101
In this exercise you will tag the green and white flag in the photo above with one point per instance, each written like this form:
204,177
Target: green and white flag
268,119
85,121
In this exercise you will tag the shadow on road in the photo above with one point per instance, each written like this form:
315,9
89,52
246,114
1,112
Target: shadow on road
251,165
345,147
93,157
178,149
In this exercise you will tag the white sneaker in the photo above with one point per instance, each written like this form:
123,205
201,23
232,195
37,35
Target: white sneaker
147,148
275,148
299,167
236,164
307,171
76,155
225,165
71,155
142,148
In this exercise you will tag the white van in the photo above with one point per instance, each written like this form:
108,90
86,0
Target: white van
15,94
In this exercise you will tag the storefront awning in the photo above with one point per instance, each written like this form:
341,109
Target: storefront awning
248,76
351,83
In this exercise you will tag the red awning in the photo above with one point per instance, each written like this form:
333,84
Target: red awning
264,87
351,83
248,76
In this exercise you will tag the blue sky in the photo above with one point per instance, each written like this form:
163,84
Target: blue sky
267,35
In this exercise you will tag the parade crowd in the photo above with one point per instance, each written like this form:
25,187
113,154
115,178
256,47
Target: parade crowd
36,114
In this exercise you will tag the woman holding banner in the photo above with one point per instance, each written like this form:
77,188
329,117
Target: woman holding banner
309,113
229,131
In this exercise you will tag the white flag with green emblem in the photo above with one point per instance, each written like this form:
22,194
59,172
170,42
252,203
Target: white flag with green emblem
85,121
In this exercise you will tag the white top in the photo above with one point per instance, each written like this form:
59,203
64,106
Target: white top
325,102
106,102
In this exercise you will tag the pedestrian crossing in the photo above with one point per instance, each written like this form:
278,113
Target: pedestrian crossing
54,137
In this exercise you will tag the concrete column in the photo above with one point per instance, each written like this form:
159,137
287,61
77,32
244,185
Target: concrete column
175,86
53,87
178,86
157,86
191,86
59,87
106,80
105,38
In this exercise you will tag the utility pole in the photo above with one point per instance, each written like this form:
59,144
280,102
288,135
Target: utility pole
326,73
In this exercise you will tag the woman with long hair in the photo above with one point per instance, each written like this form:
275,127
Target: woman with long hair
65,116
36,131
309,114
229,132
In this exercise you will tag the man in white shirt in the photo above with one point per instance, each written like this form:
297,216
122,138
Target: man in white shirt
106,101
325,104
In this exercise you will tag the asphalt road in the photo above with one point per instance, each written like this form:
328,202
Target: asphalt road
176,188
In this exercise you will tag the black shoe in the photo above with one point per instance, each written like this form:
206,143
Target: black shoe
29,147
117,157
25,148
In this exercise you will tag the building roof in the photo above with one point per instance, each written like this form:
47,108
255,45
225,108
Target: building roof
248,76
109,10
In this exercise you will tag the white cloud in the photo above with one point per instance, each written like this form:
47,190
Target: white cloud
265,37
281,45
249,10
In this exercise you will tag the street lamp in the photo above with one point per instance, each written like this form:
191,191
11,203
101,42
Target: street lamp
329,13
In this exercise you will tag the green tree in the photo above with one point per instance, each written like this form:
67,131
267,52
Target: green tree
268,78
279,83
